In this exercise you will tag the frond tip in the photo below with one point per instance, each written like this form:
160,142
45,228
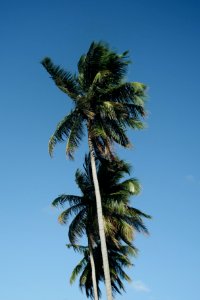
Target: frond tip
52,143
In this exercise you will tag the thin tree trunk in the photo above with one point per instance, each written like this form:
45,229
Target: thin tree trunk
100,221
94,280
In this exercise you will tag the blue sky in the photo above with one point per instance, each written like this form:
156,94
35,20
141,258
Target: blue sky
163,39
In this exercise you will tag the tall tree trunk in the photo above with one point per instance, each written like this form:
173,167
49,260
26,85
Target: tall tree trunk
94,280
100,220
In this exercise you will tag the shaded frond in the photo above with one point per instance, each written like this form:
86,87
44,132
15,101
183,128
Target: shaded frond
84,182
100,58
78,226
62,199
65,81
78,248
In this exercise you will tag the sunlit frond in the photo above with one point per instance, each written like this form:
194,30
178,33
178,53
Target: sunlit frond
77,270
74,137
63,130
73,210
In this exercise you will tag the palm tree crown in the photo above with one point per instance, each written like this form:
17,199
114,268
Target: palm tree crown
119,258
121,221
103,101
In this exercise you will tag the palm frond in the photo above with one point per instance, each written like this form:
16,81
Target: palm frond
115,207
116,132
62,199
75,136
78,226
78,248
128,250
63,79
136,223
131,185
84,182
138,212
134,123
84,277
100,58
112,110
77,270
64,216
63,130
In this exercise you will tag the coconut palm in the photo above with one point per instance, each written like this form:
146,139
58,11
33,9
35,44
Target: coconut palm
119,257
103,104
121,220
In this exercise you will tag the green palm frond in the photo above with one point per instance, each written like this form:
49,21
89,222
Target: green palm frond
128,250
78,248
122,274
78,226
84,182
136,223
131,186
62,199
109,227
63,79
123,259
64,216
100,58
112,110
138,212
115,207
75,136
98,131
139,88
117,133
63,130
110,174
77,270
126,92
126,231
83,278
100,78
134,124
101,140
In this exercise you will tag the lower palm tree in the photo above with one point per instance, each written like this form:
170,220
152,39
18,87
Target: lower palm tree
121,220
119,257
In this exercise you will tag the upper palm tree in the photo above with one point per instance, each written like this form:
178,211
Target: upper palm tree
105,105
121,220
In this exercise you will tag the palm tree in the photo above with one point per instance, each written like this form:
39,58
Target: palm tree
121,220
118,259
105,105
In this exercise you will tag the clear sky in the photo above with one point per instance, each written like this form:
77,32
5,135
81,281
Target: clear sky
163,39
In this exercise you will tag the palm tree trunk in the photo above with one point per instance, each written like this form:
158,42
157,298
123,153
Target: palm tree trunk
94,280
100,221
